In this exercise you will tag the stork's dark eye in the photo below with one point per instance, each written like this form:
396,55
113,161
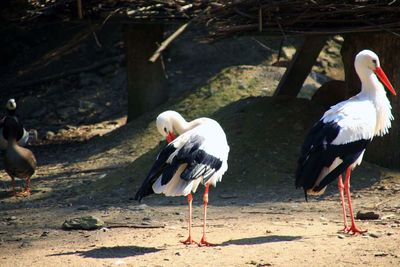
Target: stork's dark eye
374,61
165,129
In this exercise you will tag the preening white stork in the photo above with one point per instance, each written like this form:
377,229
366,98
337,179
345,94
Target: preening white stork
337,142
198,155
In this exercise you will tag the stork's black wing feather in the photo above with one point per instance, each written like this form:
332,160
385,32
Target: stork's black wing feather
159,166
318,152
198,161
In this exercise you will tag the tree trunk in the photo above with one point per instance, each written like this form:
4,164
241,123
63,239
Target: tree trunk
146,80
383,150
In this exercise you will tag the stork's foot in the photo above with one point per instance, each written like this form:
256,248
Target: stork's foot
189,241
354,230
26,192
345,229
205,243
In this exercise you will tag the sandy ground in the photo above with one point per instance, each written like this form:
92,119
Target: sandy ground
256,216
261,227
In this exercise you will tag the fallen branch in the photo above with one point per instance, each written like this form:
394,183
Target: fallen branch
137,226
166,42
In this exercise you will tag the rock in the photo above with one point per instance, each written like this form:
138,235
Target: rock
368,215
45,233
12,218
33,136
139,207
83,207
49,135
383,188
374,235
341,236
24,244
83,223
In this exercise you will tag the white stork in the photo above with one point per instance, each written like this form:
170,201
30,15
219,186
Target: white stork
198,155
337,142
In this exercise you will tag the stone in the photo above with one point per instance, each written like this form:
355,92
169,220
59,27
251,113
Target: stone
49,135
374,235
45,233
139,207
83,223
12,218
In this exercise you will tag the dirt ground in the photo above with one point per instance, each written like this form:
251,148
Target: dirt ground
269,233
94,164
254,220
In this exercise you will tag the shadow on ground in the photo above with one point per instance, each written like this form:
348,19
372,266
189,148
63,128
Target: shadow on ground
111,252
260,240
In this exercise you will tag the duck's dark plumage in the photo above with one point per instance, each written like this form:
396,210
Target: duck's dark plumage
19,162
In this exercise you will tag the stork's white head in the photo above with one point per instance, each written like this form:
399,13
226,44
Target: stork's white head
165,125
11,104
367,61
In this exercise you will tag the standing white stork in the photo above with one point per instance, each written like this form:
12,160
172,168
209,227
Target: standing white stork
198,155
337,142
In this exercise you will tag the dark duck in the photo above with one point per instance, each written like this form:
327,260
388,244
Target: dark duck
19,162
22,136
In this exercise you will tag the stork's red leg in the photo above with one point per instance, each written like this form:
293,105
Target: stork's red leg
353,229
203,241
189,240
341,188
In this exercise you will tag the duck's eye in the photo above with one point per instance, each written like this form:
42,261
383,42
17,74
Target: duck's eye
165,129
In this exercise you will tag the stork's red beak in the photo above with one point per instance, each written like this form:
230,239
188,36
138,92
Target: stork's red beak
170,137
384,79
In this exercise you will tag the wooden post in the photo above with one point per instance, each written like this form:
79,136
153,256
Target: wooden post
300,66
146,80
384,151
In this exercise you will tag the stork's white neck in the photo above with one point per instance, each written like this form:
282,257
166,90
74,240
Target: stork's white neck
181,125
373,90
